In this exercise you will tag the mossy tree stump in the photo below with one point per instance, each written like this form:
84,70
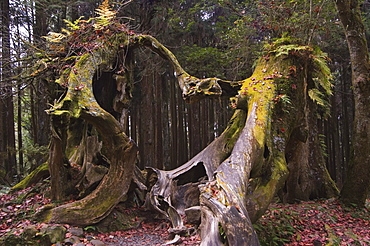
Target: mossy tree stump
270,133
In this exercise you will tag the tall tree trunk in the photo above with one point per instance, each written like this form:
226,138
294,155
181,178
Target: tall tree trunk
20,131
357,184
7,140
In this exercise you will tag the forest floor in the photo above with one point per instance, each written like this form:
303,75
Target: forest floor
321,222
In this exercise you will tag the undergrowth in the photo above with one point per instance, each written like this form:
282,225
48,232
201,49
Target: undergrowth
276,227
322,222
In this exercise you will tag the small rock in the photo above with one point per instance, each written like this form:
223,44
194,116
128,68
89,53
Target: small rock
56,233
43,239
89,237
79,232
97,242
13,240
29,232
72,240
80,244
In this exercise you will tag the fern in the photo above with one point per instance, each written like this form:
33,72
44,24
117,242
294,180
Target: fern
321,74
105,15
55,37
318,97
322,71
322,78
288,48
75,25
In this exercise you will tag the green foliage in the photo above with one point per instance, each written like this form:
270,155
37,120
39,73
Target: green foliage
33,154
286,45
241,47
306,20
321,88
105,15
322,78
318,97
83,37
195,25
290,49
202,62
75,25
322,71
222,233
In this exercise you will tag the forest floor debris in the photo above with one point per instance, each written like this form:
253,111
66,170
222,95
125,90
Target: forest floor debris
320,222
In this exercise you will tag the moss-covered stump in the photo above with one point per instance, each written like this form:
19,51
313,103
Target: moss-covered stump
244,167
277,101
79,102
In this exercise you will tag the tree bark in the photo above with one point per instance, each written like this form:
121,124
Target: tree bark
79,102
7,133
244,167
245,176
357,184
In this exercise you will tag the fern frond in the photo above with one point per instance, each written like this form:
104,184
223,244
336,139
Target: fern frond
322,71
67,32
105,15
75,25
324,83
55,37
322,100
286,49
318,97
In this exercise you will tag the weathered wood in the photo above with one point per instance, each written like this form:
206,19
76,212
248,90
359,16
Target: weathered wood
241,171
243,181
79,102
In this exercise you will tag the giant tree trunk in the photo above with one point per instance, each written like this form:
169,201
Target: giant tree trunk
243,168
79,102
247,165
357,184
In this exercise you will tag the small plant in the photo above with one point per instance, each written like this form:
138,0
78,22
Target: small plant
222,233
90,229
276,229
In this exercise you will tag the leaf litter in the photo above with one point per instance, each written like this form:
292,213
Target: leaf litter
320,222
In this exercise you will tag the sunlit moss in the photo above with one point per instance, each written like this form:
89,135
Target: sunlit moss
39,171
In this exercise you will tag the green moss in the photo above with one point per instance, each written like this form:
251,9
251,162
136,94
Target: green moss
234,128
45,213
259,90
33,177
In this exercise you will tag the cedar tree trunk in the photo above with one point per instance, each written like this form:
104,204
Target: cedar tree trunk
357,184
